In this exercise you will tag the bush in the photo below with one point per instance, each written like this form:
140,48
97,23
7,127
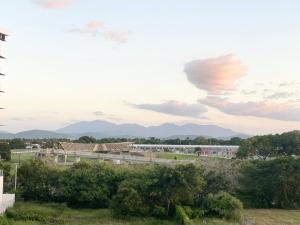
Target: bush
158,211
224,205
198,213
39,214
5,221
129,202
5,151
271,184
28,214
182,216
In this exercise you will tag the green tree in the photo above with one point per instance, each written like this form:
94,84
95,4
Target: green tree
5,151
17,143
129,200
224,205
170,186
271,184
35,180
86,140
87,185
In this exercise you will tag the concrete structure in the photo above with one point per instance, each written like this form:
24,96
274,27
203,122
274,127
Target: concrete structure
6,200
226,151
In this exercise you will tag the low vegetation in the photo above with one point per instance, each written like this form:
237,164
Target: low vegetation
160,191
28,213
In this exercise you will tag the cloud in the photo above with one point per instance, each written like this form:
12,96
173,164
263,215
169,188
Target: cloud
98,113
267,109
117,36
20,119
282,95
92,27
215,75
174,108
98,28
53,4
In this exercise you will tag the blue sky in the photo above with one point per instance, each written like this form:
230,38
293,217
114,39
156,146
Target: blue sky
127,60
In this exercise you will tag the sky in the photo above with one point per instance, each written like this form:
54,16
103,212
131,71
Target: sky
230,63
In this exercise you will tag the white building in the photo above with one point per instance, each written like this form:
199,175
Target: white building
228,151
6,200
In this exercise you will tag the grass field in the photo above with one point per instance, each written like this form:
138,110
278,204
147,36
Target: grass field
38,214
170,155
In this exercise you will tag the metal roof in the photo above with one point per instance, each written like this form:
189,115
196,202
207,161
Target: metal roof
184,146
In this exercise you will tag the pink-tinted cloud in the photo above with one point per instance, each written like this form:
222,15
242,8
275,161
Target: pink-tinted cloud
4,31
98,28
215,75
288,111
53,4
117,36
175,108
93,27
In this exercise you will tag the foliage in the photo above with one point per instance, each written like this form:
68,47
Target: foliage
182,216
58,214
86,140
17,143
265,146
6,167
87,185
271,184
224,205
5,221
5,151
36,180
128,201
216,181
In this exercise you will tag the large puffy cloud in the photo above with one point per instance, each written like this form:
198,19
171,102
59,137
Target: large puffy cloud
288,111
98,28
53,4
215,75
175,108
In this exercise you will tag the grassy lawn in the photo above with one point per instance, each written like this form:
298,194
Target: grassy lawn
171,155
273,217
61,215
25,213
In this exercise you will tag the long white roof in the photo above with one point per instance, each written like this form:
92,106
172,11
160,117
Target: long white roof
185,146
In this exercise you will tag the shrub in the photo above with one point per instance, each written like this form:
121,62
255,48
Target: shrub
5,151
40,214
188,210
198,213
271,184
158,211
26,215
4,221
224,205
182,216
128,201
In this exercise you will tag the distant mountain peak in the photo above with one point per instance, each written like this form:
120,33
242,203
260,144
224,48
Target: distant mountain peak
101,129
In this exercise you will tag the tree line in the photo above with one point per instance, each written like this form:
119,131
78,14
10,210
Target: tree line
164,191
153,140
268,146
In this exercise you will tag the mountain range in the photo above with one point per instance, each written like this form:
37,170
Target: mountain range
102,129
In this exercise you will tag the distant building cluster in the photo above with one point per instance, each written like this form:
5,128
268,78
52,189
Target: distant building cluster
226,151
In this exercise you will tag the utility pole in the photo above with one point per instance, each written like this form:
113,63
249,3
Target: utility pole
16,177
2,38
